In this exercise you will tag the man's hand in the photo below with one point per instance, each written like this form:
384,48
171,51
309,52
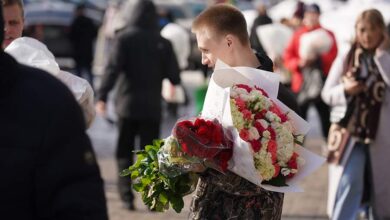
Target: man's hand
101,108
352,86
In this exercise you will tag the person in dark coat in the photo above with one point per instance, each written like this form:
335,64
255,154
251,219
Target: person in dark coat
140,60
221,34
261,19
82,35
48,167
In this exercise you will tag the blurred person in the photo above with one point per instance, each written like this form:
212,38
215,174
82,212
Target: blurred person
180,40
49,170
359,81
261,19
221,33
30,52
314,68
13,20
141,58
297,19
82,35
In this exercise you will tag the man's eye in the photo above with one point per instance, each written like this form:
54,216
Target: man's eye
13,23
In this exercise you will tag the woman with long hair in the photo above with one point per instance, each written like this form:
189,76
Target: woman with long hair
360,82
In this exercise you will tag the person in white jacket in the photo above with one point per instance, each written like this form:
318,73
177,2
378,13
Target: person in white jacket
33,53
359,83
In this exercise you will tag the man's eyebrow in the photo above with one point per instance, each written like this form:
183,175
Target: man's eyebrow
201,48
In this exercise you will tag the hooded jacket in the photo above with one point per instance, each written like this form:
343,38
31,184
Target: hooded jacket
140,60
33,53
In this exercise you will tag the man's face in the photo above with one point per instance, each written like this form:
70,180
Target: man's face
211,47
13,24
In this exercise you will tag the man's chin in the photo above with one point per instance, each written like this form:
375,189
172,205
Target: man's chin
7,42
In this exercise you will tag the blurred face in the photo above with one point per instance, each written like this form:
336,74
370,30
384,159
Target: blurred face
311,19
211,47
369,36
13,23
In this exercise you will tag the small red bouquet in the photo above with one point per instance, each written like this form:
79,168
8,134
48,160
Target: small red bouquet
202,141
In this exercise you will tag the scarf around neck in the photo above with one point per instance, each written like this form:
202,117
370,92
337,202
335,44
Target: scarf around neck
363,109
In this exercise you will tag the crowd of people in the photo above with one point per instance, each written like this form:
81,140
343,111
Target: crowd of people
50,168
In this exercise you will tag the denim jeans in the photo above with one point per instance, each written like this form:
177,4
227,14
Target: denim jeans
350,191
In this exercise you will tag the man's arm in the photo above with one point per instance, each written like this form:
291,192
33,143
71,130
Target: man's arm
113,68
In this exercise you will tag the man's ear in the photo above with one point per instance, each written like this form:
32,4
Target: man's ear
229,40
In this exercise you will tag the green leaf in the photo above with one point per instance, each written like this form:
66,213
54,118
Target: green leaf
125,172
177,203
134,174
163,198
138,187
280,180
145,181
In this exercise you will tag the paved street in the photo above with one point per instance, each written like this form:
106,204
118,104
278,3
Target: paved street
308,205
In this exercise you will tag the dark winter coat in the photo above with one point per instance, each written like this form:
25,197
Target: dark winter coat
141,59
82,35
48,169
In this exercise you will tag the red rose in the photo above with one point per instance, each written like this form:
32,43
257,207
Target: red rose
292,163
202,139
272,148
277,170
262,91
222,159
240,104
244,134
261,114
247,114
256,146
272,132
246,87
259,127
275,109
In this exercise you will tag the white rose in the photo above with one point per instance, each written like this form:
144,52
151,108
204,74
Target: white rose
263,123
253,133
285,171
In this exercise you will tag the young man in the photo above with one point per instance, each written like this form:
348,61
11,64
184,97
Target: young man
221,33
48,168
13,20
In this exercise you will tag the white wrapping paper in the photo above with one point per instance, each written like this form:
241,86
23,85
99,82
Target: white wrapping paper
217,105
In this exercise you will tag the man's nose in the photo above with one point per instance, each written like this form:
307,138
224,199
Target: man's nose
205,61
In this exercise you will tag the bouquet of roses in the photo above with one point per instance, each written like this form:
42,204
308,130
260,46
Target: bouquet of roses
268,130
267,135
165,172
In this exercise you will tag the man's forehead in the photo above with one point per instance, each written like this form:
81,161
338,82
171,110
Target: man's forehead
13,10
205,36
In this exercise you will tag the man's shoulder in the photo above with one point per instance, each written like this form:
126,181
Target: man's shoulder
41,86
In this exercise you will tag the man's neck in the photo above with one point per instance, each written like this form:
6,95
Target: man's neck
246,57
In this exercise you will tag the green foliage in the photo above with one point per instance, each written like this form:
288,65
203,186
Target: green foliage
157,190
277,181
